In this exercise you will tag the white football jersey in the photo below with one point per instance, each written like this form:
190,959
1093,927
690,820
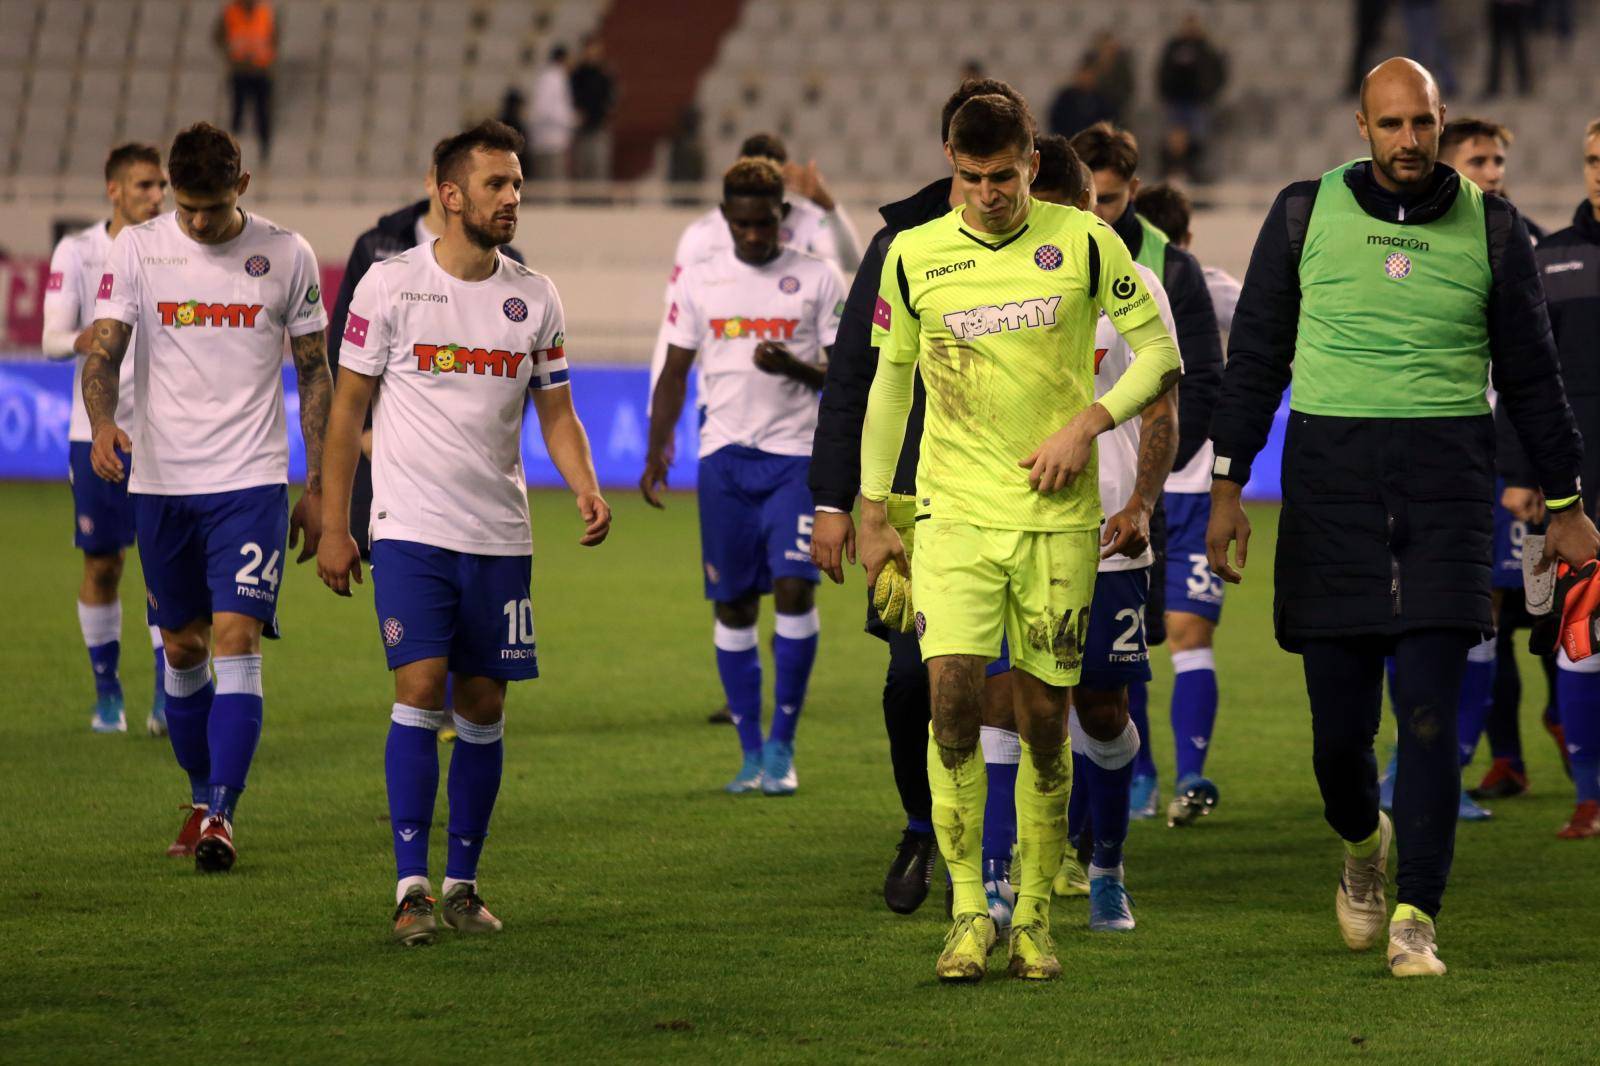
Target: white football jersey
805,228
75,269
455,360
1119,448
208,347
723,309
1195,475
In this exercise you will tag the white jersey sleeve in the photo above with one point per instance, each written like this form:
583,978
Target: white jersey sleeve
305,313
63,299
1119,447
550,347
684,327
364,348
117,294
829,307
1224,289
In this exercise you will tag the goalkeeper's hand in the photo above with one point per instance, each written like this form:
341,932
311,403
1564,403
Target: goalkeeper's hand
891,598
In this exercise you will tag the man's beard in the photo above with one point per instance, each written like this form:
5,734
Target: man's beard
479,234
1404,183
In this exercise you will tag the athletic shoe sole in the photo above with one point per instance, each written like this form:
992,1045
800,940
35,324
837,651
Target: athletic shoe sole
213,855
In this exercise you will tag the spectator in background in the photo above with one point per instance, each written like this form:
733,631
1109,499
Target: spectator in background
1191,75
1113,72
553,118
514,113
686,156
1508,29
1421,18
1080,103
594,94
1370,15
247,34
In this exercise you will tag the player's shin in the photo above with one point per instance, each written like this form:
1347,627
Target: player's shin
1044,779
101,625
190,694
1477,696
739,666
1578,689
1194,709
957,779
234,729
475,765
411,773
1139,711
794,650
1107,773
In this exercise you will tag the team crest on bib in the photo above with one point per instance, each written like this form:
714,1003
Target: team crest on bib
257,266
1397,266
789,284
515,309
1047,257
393,631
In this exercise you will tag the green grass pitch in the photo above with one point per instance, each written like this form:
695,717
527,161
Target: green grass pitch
648,916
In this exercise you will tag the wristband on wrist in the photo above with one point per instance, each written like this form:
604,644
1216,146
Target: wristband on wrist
1558,506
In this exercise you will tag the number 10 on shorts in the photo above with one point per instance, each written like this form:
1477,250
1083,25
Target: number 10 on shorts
519,621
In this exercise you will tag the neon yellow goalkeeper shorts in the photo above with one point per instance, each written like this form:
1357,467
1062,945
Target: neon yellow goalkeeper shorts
972,585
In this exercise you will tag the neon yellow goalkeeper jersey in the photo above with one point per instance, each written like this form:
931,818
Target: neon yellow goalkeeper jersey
1003,330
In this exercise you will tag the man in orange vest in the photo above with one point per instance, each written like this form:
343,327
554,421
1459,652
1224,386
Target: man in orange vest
247,33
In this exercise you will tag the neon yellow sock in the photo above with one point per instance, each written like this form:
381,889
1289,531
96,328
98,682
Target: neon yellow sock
1361,849
958,797
1406,910
1044,780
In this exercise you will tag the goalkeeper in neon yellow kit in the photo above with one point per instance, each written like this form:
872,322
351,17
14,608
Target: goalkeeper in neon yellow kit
997,304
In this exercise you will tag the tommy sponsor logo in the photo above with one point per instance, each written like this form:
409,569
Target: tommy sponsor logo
1416,244
769,329
950,268
1025,314
458,359
195,313
425,297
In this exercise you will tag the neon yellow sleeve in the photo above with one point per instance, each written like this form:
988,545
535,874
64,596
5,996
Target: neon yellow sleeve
888,405
1155,358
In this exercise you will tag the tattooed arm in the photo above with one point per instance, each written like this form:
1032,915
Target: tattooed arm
102,374
1128,531
316,397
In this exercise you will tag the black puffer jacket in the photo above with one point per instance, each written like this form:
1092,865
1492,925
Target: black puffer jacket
1569,267
1386,523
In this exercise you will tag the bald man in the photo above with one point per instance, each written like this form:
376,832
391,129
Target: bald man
1389,290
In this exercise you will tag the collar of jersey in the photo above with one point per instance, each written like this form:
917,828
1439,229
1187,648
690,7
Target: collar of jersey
451,279
996,241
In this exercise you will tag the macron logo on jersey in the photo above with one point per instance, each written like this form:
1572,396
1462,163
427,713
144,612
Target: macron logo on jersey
458,359
1028,314
195,313
739,327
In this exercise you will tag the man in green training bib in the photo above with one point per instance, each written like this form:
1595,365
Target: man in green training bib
996,304
1391,289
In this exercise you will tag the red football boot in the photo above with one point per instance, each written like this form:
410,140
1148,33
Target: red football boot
1585,822
190,832
1501,782
214,852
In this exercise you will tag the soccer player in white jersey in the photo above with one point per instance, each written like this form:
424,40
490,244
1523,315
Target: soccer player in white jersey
137,188
761,317
209,294
1194,591
460,337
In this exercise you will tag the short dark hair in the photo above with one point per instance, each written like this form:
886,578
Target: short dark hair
124,156
1060,169
1107,147
988,125
451,155
966,91
1167,208
1460,130
204,159
764,146
753,176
